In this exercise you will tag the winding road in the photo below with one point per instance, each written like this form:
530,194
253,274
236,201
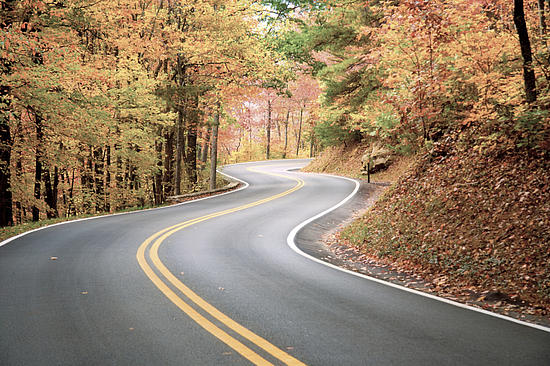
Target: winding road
215,282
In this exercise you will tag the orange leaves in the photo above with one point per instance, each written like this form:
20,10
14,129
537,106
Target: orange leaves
471,220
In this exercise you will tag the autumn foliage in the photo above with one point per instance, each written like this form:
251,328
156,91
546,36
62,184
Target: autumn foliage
409,72
450,82
108,105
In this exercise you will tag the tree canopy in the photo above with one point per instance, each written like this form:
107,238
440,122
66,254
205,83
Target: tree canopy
107,105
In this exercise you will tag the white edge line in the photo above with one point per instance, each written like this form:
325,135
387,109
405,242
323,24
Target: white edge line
292,244
131,212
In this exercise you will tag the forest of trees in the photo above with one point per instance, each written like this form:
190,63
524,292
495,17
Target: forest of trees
111,104
108,105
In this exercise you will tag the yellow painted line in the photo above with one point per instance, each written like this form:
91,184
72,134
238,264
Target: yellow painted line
238,346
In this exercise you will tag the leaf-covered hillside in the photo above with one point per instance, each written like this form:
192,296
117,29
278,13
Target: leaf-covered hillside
471,218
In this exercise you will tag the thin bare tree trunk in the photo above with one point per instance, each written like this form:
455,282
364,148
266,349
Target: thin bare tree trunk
38,166
286,133
214,149
71,209
157,180
108,178
19,207
542,20
205,144
168,167
312,142
299,132
99,176
190,156
268,130
278,125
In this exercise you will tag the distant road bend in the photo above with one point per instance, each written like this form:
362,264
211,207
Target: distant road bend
213,282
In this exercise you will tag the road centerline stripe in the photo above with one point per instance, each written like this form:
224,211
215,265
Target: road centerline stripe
158,238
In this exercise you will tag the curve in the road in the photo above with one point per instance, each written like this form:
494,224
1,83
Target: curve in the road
235,344
291,241
320,315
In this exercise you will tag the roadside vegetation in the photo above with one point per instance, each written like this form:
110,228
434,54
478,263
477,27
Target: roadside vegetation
108,107
7,232
347,160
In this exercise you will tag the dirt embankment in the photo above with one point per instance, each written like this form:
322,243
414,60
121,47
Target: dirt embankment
474,224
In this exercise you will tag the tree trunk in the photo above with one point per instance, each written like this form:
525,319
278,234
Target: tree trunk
205,144
55,189
286,133
6,209
119,178
268,129
71,209
127,184
157,180
51,192
179,151
38,166
299,133
6,198
191,149
168,166
19,207
278,125
200,145
312,142
239,143
86,180
132,175
108,178
99,176
542,21
250,143
525,45
542,18
135,181
214,149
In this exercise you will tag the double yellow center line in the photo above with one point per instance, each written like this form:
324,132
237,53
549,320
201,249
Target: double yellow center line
162,284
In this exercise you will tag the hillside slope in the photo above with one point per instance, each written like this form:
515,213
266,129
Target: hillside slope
471,221
346,160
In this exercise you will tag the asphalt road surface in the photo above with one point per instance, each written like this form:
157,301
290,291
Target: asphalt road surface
214,282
